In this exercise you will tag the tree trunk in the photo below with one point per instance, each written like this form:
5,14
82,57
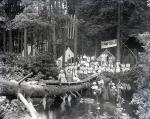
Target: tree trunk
18,41
25,43
96,49
21,41
10,41
118,32
64,54
75,40
57,7
32,43
4,41
61,6
72,28
54,42
49,41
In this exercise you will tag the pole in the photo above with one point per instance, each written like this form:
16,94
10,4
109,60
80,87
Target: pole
130,51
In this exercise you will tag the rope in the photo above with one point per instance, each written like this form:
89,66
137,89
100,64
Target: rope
130,51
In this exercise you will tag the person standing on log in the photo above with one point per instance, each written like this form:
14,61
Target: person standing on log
62,77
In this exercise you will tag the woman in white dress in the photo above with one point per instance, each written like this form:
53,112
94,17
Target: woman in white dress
62,77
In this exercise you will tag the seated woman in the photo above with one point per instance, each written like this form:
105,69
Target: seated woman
62,77
75,78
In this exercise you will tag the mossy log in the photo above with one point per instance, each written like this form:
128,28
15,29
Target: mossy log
8,88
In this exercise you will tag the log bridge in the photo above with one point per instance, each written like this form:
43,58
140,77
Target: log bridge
9,88
21,88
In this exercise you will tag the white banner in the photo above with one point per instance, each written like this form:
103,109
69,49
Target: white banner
108,44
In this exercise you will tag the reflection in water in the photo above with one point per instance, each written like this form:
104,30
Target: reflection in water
84,108
47,115
90,106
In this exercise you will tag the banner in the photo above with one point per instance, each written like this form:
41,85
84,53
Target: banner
108,44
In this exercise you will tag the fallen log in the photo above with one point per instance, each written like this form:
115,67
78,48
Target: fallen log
8,88
29,106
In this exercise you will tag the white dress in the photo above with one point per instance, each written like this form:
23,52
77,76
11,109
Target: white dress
62,78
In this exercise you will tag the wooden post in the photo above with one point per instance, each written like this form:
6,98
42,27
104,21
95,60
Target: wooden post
25,43
10,41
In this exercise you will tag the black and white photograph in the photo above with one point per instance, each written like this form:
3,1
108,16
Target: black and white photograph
74,59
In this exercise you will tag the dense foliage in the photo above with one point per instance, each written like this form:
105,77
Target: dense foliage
15,68
101,20
141,95
98,21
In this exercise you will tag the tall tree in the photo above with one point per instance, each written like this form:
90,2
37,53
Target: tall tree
101,17
39,15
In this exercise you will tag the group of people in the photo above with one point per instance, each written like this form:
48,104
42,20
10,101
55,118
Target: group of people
96,67
67,76
75,72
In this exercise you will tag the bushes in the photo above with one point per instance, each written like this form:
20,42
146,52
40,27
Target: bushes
16,67
141,97
130,77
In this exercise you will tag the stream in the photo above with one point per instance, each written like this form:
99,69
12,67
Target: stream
80,109
87,107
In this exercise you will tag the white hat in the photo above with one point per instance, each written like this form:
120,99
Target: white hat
61,71
113,84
